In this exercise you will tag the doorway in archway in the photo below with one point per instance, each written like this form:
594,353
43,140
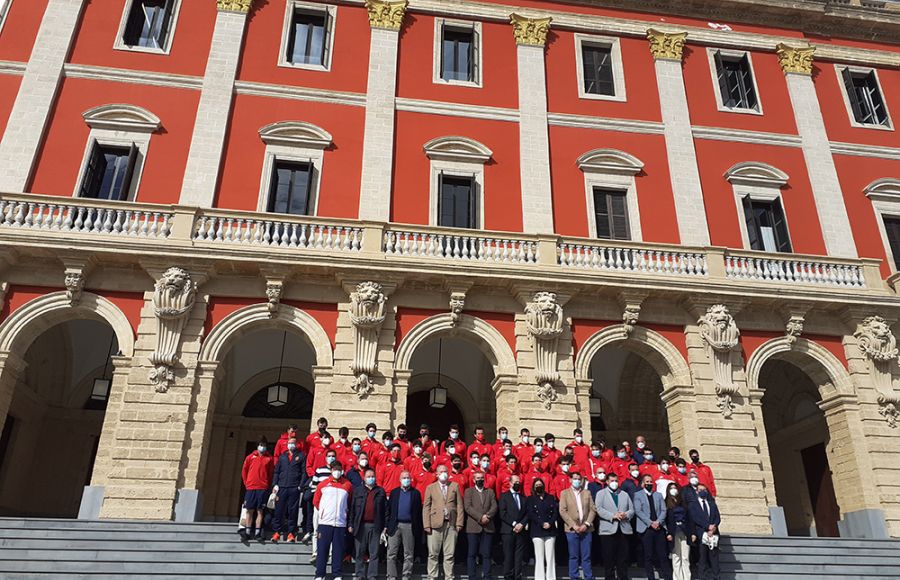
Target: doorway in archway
419,411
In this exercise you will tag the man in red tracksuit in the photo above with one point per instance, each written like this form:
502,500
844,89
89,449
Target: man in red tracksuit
506,472
257,477
454,441
524,450
313,440
497,447
537,472
281,444
425,475
704,473
581,451
480,445
550,454
318,455
561,480
389,470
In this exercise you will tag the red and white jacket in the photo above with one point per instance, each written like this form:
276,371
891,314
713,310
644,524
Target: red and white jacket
332,498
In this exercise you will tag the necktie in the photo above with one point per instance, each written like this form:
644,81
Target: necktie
652,507
516,497
705,507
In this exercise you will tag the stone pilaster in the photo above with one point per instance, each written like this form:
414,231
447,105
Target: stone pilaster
208,140
534,139
114,405
666,49
11,369
37,93
797,66
681,412
386,19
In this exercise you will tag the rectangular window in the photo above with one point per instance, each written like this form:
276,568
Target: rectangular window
148,23
766,226
109,172
291,188
308,38
456,202
598,70
458,54
892,227
735,81
865,97
611,214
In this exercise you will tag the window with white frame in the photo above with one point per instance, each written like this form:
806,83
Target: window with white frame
308,36
611,194
757,189
600,71
4,8
457,182
863,97
292,168
885,197
117,148
148,25
457,52
733,81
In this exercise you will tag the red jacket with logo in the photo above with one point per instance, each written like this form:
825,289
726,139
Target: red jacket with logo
257,471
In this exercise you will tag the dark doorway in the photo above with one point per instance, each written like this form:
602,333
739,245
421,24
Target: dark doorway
821,490
418,411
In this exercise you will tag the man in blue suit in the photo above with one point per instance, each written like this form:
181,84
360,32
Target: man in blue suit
706,519
650,517
403,525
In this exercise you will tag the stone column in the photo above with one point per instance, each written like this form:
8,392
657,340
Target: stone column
206,388
37,94
534,139
208,140
386,19
667,48
681,412
797,65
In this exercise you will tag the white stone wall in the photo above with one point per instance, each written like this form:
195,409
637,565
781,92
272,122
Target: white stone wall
534,142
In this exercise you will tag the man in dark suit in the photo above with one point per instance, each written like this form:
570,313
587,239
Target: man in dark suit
404,525
366,522
706,519
512,530
481,508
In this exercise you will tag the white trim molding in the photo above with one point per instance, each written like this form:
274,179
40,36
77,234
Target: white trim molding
885,197
122,117
166,49
612,169
455,148
475,26
296,141
293,6
457,157
714,75
843,90
296,134
618,69
760,181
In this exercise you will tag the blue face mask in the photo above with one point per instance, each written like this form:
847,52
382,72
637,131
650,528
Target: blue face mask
576,484
370,481
356,448
621,454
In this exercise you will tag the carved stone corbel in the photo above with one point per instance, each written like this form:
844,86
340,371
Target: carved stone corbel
879,345
793,328
4,289
721,334
173,298
457,305
544,320
630,302
76,270
274,291
367,314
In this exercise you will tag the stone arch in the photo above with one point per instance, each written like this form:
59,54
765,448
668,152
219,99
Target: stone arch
819,364
251,386
27,322
661,354
256,317
471,329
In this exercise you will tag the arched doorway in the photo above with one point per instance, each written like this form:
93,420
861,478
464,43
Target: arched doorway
419,411
51,433
266,384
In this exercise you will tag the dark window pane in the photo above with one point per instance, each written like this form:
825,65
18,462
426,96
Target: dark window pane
306,44
766,226
291,187
457,58
611,214
865,98
598,71
892,227
456,205
735,81
148,23
108,173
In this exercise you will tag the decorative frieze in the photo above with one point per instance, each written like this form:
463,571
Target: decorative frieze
173,299
721,334
530,31
798,60
879,345
544,319
385,14
666,45
367,314
234,5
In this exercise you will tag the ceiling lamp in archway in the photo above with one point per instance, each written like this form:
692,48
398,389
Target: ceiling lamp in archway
437,397
277,395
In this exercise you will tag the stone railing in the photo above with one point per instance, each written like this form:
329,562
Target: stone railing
794,269
273,230
449,244
630,257
85,216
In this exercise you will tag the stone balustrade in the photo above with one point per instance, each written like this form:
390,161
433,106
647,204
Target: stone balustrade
758,266
448,244
626,257
276,231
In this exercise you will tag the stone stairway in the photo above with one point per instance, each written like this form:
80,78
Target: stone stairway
72,549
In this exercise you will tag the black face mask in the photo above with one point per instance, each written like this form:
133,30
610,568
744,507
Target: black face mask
457,466
516,486
539,489
402,436
479,483
649,487
426,464
695,459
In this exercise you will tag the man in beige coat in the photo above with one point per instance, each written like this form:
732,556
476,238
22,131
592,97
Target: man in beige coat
442,518
577,512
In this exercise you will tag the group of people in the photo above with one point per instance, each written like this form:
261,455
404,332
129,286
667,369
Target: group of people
348,496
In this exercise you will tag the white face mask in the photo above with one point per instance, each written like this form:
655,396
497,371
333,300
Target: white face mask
261,448
337,473
579,439
343,440
417,450
504,436
329,459
363,462
538,448
694,481
551,444
454,435
371,434
673,492
451,450
641,445
485,464
443,477
565,467
505,452
664,467
614,485
292,446
525,439
326,442
635,473
601,476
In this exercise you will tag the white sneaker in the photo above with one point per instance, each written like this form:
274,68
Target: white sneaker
319,578
337,578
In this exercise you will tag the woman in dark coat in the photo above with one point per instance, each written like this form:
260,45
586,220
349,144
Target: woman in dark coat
542,512
678,532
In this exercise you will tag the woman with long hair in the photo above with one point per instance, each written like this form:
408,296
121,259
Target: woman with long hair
678,528
542,512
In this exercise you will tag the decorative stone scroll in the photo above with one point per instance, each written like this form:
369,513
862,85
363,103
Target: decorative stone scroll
242,6
721,334
530,31
794,328
544,318
173,299
795,60
274,290
879,345
385,14
457,305
666,45
367,315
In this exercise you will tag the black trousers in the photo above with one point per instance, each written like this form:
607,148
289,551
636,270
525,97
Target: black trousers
656,552
514,557
708,567
614,549
286,510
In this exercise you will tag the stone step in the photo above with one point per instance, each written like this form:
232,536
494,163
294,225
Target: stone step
82,543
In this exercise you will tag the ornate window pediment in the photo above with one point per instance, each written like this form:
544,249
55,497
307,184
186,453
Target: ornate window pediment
886,189
122,117
756,173
610,161
456,148
296,134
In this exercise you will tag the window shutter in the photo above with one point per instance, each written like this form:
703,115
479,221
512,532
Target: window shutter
440,199
618,216
310,174
168,9
747,78
441,46
473,56
752,224
877,101
473,223
589,66
782,239
135,24
90,184
722,74
129,173
852,95
892,227
326,40
292,37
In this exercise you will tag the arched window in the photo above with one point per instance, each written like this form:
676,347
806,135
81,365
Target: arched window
757,189
611,190
457,182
